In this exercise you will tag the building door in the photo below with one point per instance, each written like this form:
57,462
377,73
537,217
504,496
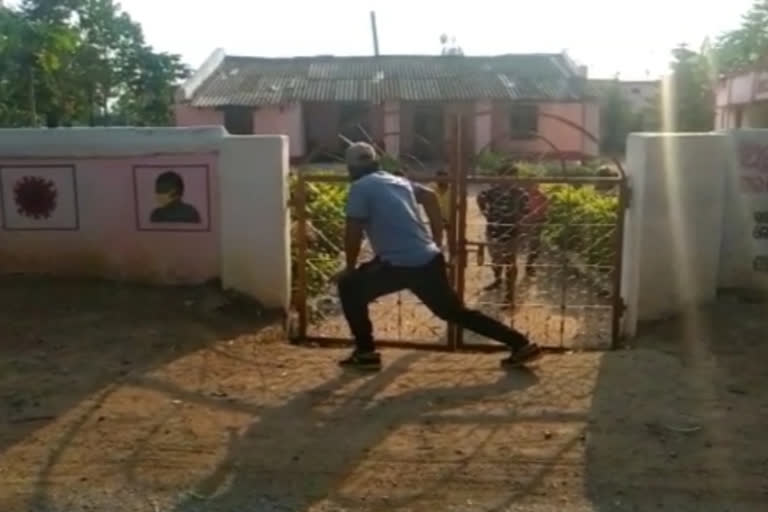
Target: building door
238,120
354,122
428,132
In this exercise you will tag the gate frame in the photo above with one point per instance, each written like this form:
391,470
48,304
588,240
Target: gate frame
458,179
466,177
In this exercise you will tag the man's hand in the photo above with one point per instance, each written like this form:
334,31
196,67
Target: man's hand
353,240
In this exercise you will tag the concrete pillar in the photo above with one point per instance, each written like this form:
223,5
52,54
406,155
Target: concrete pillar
255,224
673,228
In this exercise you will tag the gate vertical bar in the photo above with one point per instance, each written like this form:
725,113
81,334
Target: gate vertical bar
301,268
461,219
618,303
452,239
564,279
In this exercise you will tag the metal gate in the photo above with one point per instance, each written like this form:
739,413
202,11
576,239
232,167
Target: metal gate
566,296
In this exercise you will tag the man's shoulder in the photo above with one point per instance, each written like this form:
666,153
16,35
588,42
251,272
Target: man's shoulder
366,181
378,181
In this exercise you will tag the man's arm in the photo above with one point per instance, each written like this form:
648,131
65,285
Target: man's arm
428,199
353,240
356,217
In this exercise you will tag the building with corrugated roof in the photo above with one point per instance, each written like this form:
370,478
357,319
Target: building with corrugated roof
399,102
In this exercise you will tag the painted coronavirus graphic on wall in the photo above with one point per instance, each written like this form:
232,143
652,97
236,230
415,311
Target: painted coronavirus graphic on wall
35,197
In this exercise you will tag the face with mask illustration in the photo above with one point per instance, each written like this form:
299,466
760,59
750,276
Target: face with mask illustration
169,187
169,192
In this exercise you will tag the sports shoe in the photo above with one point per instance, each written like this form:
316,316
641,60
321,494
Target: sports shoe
520,357
370,361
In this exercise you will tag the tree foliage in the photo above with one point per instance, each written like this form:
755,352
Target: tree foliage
748,44
81,62
616,119
689,105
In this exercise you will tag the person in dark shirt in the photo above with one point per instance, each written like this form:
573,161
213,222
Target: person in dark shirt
503,207
169,191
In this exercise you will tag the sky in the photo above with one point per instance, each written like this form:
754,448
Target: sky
632,38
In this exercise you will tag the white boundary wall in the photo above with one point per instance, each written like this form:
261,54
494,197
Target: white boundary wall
250,201
692,224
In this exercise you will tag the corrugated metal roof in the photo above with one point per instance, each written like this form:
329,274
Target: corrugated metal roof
252,81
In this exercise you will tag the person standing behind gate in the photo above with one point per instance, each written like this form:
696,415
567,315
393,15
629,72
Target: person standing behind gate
384,208
504,206
533,226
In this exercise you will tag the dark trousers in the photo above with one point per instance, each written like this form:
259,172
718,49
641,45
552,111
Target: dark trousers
534,234
430,284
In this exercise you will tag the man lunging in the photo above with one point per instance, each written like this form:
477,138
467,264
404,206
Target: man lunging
384,208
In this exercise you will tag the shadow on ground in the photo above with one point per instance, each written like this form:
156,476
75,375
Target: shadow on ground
304,452
66,344
128,398
678,423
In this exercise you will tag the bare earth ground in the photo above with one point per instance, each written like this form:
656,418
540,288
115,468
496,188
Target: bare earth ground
122,398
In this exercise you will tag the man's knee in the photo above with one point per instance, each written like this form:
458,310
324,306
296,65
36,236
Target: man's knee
446,310
347,284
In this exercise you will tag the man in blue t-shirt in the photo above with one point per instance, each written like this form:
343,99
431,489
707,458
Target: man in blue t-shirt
383,207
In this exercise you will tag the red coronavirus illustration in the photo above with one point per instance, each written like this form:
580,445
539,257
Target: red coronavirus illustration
35,197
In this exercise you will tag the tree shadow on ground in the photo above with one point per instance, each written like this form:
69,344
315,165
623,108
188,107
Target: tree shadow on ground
66,341
678,423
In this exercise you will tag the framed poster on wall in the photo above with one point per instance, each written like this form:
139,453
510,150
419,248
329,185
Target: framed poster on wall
172,198
39,198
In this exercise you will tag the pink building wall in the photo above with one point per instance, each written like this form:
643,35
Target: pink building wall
314,124
592,125
107,236
741,101
274,120
564,137
187,115
741,88
283,120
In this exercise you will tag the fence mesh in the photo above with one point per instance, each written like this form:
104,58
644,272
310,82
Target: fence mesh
541,258
556,261
397,317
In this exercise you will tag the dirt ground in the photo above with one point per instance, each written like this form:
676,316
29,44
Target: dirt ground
123,398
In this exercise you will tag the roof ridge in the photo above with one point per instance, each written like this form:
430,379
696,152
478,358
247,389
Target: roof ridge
393,56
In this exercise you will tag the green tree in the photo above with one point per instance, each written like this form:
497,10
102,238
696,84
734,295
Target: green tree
81,62
34,57
149,81
616,119
746,45
686,101
692,102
